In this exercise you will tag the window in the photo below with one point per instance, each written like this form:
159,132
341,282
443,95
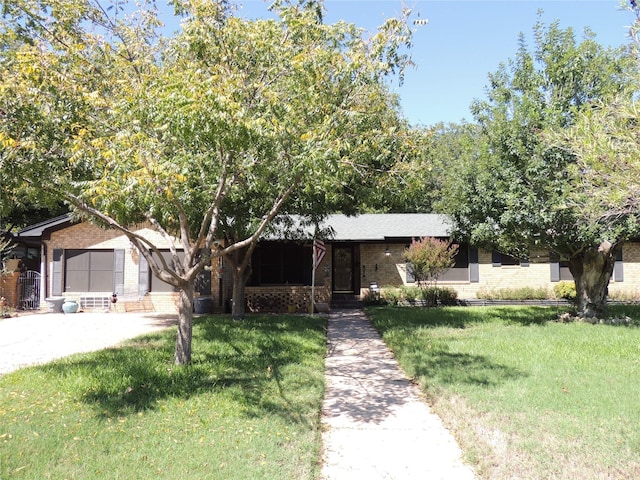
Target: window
281,263
158,285
499,259
559,269
458,273
89,270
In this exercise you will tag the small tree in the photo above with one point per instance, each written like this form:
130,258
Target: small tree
5,248
430,258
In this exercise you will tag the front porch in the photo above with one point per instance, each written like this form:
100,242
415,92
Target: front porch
285,298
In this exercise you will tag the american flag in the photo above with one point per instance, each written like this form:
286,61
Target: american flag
319,251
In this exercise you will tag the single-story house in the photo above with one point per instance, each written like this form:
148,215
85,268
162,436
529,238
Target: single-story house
81,261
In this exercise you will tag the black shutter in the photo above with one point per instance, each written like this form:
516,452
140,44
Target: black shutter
496,258
56,272
474,265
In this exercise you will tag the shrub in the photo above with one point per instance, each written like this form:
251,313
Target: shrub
524,293
410,294
566,290
391,295
430,258
429,295
447,296
374,298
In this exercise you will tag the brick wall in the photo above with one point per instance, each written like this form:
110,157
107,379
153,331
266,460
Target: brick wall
9,288
375,266
390,271
88,236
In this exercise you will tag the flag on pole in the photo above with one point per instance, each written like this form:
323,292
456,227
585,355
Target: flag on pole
319,251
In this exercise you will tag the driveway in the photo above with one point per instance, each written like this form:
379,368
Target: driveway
32,339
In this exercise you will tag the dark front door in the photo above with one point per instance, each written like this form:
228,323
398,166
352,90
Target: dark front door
343,269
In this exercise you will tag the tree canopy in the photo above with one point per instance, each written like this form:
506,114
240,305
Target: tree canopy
205,135
523,191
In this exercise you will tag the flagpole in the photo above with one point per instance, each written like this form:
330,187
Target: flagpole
313,274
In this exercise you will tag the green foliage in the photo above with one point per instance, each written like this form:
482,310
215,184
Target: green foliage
566,290
490,372
429,258
428,296
206,135
409,293
521,293
391,295
522,189
446,296
247,407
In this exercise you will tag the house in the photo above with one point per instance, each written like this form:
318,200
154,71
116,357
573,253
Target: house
82,261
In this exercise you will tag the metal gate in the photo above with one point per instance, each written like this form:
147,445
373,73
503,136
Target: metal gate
29,285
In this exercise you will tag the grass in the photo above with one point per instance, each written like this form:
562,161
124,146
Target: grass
525,396
246,408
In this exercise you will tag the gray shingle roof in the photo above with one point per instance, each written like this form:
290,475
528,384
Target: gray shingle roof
369,227
37,230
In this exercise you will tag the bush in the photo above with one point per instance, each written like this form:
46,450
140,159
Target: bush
566,290
524,293
447,296
430,296
391,295
409,294
374,298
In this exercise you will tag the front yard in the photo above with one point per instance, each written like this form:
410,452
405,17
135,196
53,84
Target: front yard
247,408
527,397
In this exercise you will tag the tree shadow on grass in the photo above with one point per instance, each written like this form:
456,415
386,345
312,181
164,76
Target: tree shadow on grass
441,367
385,318
242,360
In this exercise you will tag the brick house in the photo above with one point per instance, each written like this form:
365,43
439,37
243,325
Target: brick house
87,263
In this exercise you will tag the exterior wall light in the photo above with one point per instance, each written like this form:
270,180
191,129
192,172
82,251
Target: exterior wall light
387,252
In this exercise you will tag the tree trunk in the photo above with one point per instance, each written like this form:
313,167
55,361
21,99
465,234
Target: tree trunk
240,277
185,325
592,270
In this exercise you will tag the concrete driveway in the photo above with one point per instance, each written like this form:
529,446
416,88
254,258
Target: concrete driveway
31,339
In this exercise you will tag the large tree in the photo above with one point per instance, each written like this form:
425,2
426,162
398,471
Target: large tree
521,190
206,136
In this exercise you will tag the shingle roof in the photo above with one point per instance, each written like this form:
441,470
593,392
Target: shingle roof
369,227
36,231
366,227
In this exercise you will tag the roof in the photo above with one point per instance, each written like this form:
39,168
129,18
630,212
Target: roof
366,227
37,230
383,226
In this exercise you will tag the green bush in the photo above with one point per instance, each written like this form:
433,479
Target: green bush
524,293
391,295
447,296
374,298
409,294
566,290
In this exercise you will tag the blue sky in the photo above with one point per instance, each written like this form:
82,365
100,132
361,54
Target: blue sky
465,40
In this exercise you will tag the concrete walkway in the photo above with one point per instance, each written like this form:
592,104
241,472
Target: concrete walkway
377,426
39,338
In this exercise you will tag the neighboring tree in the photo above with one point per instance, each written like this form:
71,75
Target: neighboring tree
430,258
521,190
206,136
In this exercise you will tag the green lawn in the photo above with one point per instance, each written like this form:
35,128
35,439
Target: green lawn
527,397
247,408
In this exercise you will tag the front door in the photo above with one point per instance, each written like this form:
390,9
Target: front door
343,269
